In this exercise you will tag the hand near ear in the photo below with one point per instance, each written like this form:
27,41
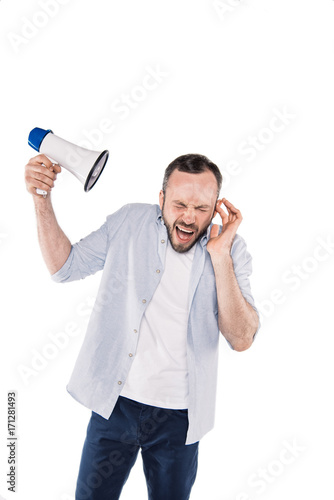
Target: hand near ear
221,243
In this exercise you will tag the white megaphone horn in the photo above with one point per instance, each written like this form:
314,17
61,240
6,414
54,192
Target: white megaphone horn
86,165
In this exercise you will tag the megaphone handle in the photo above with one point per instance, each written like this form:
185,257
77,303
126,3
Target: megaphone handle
41,191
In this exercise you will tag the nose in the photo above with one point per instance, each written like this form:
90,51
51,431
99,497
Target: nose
189,216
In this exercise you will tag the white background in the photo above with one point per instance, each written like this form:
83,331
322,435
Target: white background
226,70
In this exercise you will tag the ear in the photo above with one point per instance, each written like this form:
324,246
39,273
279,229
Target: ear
161,199
218,202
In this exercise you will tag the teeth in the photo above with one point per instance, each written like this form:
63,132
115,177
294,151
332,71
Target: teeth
185,231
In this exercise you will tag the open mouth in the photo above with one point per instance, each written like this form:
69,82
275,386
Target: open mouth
184,234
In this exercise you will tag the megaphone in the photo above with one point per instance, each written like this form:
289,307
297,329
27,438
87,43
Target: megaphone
85,164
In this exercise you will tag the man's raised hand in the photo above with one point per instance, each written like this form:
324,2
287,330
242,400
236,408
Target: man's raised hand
220,243
41,173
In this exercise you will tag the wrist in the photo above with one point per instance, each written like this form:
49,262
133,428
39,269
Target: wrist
41,202
220,257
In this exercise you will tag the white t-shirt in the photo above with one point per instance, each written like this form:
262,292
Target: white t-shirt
159,373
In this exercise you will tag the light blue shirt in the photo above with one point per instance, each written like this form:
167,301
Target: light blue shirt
130,247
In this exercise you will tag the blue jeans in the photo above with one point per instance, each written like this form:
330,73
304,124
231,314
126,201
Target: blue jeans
111,448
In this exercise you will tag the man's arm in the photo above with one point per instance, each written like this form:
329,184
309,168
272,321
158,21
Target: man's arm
41,173
237,320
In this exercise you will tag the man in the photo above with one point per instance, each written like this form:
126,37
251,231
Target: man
147,368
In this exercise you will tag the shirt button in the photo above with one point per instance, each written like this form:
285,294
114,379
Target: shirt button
130,355
144,301
158,271
119,382
135,330
162,241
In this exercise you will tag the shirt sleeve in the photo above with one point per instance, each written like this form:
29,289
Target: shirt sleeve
242,265
89,254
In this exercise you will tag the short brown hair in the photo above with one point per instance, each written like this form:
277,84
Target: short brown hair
192,164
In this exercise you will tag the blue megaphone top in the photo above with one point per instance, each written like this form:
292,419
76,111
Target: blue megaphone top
36,137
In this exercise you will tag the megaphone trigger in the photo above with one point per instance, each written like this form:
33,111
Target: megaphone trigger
42,192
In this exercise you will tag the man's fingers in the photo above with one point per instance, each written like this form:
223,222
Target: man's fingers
56,168
46,162
52,167
34,173
47,178
41,159
214,231
49,172
234,213
230,206
39,181
221,211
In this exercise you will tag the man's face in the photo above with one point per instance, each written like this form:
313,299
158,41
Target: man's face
188,207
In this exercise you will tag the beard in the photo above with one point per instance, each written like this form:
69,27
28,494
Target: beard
179,247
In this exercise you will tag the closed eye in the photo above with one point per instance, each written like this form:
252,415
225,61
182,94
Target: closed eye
181,206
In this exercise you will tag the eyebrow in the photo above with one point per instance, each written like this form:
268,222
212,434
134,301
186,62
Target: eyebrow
184,205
